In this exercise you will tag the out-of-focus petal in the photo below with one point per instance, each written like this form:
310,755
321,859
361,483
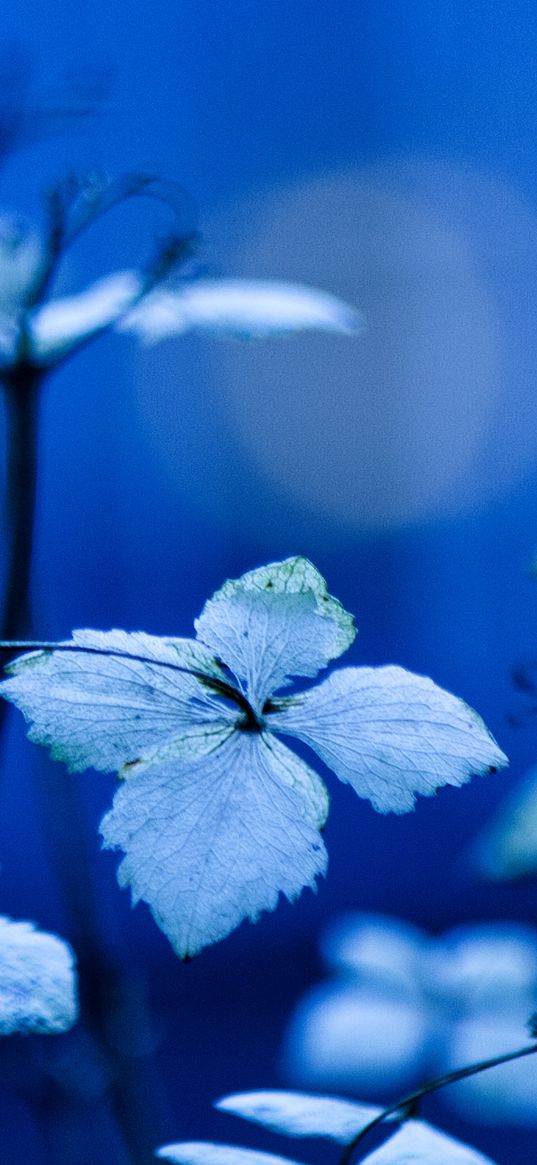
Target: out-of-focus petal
246,308
503,1095
208,1153
481,963
418,1143
507,847
62,324
302,1114
376,948
370,1042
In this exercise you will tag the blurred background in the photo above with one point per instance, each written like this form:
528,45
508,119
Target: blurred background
387,155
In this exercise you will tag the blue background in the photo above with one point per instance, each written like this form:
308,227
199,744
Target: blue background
387,154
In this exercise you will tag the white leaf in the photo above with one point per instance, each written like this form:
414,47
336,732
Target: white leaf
275,622
105,710
240,307
214,841
62,323
418,1143
302,1114
390,734
507,847
38,991
205,1153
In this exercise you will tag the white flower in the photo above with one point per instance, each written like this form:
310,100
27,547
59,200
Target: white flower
404,1007
216,815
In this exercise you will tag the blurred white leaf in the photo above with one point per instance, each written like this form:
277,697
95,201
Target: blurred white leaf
205,1153
302,1114
240,307
418,1143
38,989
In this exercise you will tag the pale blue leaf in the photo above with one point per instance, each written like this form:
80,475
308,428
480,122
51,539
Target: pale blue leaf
240,307
104,710
390,734
273,623
61,324
207,1153
507,847
302,1114
418,1143
214,841
38,988
360,1039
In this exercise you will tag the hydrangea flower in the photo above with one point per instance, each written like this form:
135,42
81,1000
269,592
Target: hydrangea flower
403,1007
215,814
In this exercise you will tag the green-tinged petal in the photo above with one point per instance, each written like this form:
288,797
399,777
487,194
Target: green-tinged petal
273,623
390,734
123,696
38,987
302,1114
418,1143
215,841
208,1153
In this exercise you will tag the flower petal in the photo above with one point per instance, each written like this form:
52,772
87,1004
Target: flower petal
507,847
61,324
506,1094
214,841
302,1114
360,1039
418,1143
390,734
38,990
240,307
104,710
275,622
208,1153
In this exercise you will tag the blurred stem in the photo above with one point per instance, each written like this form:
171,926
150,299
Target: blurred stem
21,390
408,1105
104,988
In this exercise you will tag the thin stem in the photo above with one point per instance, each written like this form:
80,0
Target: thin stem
413,1098
21,396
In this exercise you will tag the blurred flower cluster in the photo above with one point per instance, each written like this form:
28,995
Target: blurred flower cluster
401,1006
